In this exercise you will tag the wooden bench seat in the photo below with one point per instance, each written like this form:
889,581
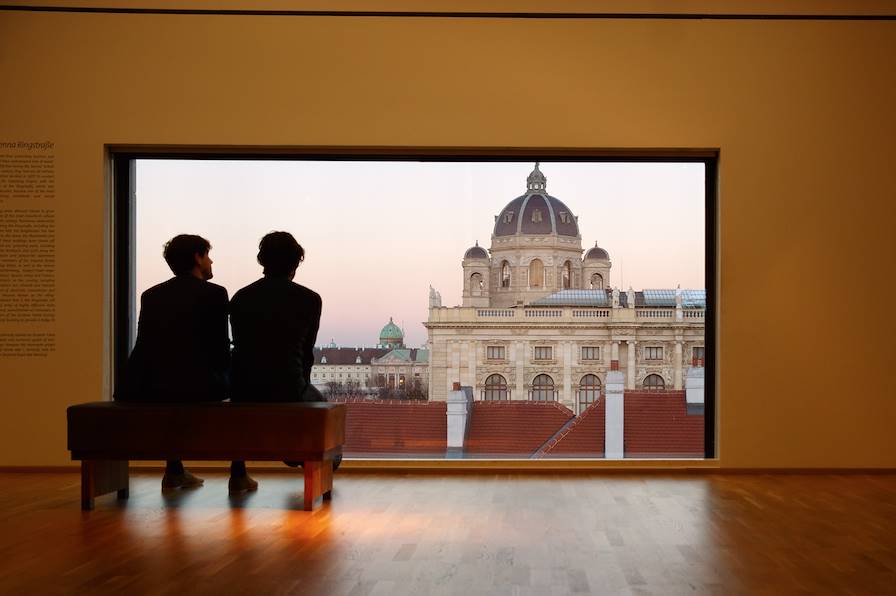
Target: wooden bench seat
105,436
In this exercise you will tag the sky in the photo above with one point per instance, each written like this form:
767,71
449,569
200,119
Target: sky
377,234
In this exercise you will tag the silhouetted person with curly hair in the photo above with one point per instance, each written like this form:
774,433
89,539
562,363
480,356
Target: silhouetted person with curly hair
274,322
182,351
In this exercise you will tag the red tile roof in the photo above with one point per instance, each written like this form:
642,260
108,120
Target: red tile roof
399,427
513,427
582,437
657,425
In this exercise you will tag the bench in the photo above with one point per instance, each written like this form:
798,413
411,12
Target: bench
105,436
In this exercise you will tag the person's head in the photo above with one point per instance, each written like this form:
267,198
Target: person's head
280,254
187,254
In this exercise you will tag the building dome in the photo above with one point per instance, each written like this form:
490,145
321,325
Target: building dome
391,335
536,212
476,252
597,253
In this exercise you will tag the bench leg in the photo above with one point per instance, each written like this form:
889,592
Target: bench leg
318,482
101,476
326,479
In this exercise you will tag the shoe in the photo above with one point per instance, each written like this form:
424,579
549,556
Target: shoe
292,464
241,484
182,480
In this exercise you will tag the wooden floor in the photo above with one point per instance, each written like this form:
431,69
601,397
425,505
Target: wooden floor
467,535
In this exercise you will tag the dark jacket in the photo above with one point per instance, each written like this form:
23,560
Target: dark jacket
274,323
182,352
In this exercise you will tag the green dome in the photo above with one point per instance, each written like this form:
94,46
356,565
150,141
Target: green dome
391,331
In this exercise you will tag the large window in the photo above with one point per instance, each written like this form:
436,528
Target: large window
482,272
654,383
536,274
543,388
495,388
589,391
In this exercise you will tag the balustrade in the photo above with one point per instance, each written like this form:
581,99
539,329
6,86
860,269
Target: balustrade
570,314
545,313
492,312
654,314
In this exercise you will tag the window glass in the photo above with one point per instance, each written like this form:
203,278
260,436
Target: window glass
521,324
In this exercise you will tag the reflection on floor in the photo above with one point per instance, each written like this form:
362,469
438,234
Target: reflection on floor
457,534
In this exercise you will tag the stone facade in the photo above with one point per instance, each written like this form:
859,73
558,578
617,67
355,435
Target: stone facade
390,366
538,319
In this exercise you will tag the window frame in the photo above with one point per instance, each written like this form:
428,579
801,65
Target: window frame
535,351
595,388
501,388
540,388
654,353
501,358
121,168
583,358
653,387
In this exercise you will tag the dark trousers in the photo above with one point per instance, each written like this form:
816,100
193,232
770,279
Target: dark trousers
309,394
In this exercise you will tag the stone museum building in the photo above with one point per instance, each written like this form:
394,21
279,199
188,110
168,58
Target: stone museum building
359,370
539,320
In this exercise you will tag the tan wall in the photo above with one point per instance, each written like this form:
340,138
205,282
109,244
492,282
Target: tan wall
802,111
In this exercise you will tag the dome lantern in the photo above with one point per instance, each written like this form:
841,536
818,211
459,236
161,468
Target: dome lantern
536,182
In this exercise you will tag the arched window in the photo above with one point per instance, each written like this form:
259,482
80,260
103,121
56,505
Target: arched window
536,274
567,275
505,274
476,284
589,391
543,388
495,388
654,383
597,282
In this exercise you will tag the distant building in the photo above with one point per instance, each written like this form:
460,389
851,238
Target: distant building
347,369
390,368
540,322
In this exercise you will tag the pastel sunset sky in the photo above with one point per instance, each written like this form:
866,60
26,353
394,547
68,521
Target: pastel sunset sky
378,234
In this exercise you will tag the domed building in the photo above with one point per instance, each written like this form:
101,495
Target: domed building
388,369
536,251
540,321
391,336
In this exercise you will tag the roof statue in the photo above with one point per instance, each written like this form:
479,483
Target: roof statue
630,298
435,299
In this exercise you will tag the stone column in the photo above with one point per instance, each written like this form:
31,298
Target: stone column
614,422
521,358
567,397
676,375
614,356
630,367
453,365
472,357
462,361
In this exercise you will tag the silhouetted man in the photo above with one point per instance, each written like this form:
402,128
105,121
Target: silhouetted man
274,322
182,352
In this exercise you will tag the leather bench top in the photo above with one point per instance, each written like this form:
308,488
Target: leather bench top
215,430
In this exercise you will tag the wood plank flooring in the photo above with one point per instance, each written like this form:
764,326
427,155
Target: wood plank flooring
457,534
